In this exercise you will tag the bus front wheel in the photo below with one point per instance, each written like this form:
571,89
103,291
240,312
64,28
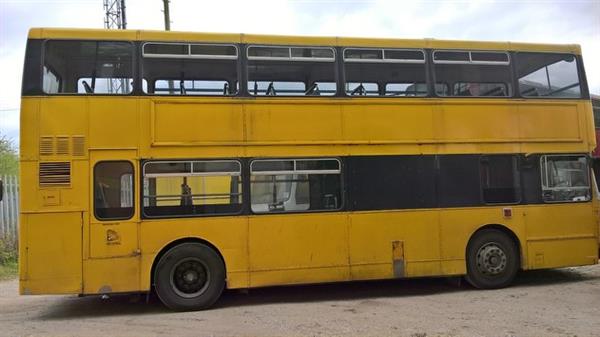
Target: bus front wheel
492,260
190,276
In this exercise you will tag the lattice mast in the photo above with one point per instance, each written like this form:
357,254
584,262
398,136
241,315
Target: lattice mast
115,19
115,14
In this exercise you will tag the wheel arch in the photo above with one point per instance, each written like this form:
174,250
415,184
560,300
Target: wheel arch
504,229
178,242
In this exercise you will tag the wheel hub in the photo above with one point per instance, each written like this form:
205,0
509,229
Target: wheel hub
491,259
190,278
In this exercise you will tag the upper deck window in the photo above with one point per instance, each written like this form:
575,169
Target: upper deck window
88,67
470,57
186,50
472,73
548,75
291,53
384,72
190,69
383,55
291,71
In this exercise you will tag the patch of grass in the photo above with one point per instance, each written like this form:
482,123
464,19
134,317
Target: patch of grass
9,269
8,257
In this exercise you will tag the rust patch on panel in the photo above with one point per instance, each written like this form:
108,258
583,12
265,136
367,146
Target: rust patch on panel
398,258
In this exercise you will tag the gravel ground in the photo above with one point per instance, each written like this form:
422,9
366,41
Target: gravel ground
561,302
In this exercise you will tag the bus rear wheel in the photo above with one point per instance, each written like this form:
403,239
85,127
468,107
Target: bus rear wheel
492,260
189,276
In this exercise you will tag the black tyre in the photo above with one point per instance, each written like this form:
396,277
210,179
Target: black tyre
190,276
492,260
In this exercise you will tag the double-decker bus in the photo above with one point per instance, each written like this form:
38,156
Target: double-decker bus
186,163
596,153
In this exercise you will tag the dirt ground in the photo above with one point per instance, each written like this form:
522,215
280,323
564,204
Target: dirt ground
561,302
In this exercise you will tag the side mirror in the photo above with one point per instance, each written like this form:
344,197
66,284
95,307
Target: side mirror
1,190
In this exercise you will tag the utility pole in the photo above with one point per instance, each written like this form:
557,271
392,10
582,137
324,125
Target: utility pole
115,19
167,15
167,28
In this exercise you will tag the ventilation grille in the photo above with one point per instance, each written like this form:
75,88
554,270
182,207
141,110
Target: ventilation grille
62,146
46,146
78,145
55,174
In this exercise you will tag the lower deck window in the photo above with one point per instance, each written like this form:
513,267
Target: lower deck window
500,183
565,178
295,185
113,190
192,188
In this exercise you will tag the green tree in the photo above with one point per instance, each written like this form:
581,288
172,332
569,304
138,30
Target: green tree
9,159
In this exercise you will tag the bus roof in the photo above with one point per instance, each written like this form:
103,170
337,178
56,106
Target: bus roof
155,35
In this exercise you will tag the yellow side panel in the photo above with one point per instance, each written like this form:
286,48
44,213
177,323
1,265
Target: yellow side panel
484,122
298,276
113,239
402,121
227,234
113,122
293,122
562,253
103,276
52,261
68,198
178,121
458,225
29,137
560,220
371,237
557,121
561,235
304,241
63,116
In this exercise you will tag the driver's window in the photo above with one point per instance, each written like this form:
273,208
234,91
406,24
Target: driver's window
565,178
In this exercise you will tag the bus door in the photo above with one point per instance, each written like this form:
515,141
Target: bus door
114,250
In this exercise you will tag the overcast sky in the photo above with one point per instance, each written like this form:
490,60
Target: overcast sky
567,21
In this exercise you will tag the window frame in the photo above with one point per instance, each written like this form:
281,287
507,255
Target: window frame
134,69
543,186
506,87
582,81
246,91
470,51
237,58
517,161
290,58
189,48
511,72
342,66
242,194
340,171
383,59
133,201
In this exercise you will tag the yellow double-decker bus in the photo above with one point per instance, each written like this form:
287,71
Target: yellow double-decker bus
186,163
